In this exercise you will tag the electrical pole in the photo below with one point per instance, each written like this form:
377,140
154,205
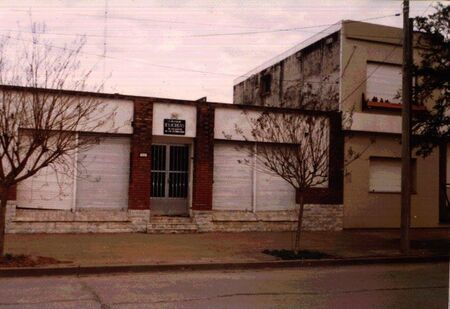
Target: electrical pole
406,129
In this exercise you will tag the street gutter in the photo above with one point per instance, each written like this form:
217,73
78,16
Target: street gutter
120,269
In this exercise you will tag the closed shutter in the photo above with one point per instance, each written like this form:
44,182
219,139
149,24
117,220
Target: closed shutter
232,189
273,192
384,81
104,174
47,189
385,175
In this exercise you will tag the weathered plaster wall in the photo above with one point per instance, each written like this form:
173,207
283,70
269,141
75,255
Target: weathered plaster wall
302,80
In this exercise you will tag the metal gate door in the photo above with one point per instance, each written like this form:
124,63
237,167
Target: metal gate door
170,179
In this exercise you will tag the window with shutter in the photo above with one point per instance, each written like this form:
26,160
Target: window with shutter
385,174
384,82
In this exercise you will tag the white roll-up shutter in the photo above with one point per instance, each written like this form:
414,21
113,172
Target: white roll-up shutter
384,81
385,175
48,189
273,192
104,174
232,189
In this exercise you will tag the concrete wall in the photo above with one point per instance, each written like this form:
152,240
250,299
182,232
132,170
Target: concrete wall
305,79
364,209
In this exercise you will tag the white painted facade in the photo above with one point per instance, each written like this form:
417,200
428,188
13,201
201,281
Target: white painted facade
100,173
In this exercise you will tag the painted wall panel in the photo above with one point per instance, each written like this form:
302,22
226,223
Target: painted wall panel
372,122
163,111
236,124
115,116
108,115
227,120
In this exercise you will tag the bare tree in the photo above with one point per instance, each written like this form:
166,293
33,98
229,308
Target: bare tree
293,146
37,127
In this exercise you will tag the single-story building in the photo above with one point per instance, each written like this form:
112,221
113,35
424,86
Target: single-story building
170,166
175,165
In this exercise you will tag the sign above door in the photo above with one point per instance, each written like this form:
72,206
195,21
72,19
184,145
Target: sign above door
175,126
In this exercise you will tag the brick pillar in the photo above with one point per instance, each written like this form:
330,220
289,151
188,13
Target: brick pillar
203,158
140,156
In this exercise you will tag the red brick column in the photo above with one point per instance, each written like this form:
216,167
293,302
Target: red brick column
140,156
203,158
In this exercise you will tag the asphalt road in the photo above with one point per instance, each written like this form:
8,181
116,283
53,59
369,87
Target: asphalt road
375,286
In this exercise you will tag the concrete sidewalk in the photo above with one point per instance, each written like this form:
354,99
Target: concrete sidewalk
135,249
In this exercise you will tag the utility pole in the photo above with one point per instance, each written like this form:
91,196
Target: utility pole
406,129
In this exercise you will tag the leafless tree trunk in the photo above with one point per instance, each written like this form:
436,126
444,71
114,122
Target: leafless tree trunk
298,231
294,145
3,202
38,126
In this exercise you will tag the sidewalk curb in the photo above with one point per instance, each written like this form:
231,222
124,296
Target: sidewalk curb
117,269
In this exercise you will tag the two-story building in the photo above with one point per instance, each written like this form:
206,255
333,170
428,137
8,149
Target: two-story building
355,68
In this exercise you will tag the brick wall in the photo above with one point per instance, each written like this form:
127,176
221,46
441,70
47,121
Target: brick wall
203,158
140,161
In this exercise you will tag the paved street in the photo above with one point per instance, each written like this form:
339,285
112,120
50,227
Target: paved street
377,286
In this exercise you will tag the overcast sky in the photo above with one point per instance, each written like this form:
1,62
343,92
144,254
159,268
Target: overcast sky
187,49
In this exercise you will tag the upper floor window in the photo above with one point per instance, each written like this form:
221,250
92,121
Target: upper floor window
384,82
266,84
